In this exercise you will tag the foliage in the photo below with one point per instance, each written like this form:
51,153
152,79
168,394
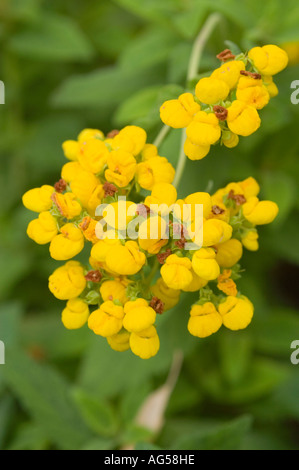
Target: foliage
72,64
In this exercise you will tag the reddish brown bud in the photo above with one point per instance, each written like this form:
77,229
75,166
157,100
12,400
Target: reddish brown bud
113,133
238,198
94,276
142,209
217,210
109,189
220,112
256,76
60,186
163,256
157,305
226,55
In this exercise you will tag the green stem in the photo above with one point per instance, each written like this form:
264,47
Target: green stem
194,63
151,276
161,136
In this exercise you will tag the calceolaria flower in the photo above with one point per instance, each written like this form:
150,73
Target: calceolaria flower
116,203
226,104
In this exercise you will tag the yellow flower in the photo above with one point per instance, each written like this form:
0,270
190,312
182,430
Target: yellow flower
149,151
204,320
83,185
71,149
243,119
67,205
196,284
114,290
116,215
229,253
210,90
216,231
250,240
153,171
39,199
70,170
270,85
43,229
205,265
199,198
138,316
252,92
107,320
119,342
179,113
146,343
226,284
153,234
162,193
269,60
95,199
88,227
237,312
230,140
130,139
69,243
260,212
204,130
196,152
176,272
250,187
87,134
125,259
292,50
170,297
229,72
93,155
75,315
121,168
68,281
100,250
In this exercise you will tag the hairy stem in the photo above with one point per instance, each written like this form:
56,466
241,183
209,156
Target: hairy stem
194,63
161,136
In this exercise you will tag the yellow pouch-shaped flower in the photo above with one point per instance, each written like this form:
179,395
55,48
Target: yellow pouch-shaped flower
107,320
39,199
176,272
146,343
68,281
204,320
138,315
205,265
69,243
75,315
236,312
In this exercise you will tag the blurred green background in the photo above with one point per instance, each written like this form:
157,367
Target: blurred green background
105,64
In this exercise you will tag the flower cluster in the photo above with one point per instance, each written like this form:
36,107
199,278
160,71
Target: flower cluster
226,103
115,196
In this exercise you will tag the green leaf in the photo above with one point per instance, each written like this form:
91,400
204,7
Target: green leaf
45,396
280,188
263,377
153,10
274,333
29,436
7,409
38,332
98,415
224,436
235,355
105,87
137,106
54,37
152,48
